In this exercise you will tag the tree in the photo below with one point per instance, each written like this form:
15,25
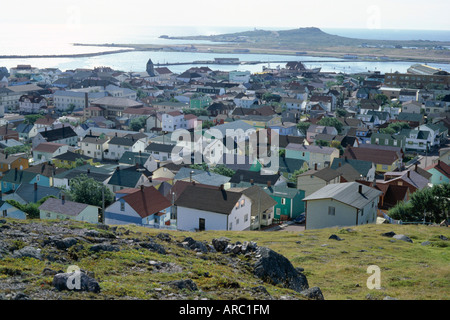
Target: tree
137,124
223,170
431,204
86,190
31,118
303,127
381,97
341,112
331,122
322,143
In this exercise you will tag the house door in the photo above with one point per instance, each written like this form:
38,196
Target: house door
201,224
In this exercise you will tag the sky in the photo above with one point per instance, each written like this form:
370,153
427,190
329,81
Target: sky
380,14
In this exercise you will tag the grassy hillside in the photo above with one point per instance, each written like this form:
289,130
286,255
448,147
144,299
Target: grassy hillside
408,270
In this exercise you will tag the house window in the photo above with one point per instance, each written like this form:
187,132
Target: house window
362,212
246,218
283,200
242,202
237,221
331,211
122,206
5,213
237,205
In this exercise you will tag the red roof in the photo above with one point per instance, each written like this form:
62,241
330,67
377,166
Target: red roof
147,201
442,167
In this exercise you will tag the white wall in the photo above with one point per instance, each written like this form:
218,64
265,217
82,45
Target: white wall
317,216
188,219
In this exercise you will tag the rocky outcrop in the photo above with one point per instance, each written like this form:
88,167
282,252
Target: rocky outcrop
77,281
276,269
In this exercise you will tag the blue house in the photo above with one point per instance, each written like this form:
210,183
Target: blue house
9,211
146,206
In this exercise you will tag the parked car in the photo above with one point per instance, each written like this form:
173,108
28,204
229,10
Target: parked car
300,219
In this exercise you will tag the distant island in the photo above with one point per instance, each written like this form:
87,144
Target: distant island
304,41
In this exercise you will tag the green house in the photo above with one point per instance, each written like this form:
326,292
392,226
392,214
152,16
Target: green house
200,102
391,140
289,201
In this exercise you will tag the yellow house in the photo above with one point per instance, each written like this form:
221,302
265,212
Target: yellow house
71,160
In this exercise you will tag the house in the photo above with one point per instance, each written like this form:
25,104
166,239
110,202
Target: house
32,193
32,103
63,179
244,177
94,146
12,179
9,211
46,151
11,162
64,135
144,159
314,130
411,107
289,201
387,160
440,172
117,146
143,206
213,209
71,159
263,206
391,194
26,131
44,173
410,178
393,140
365,169
62,209
131,177
343,204
159,151
313,155
444,155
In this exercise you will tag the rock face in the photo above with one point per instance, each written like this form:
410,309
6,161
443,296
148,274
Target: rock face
274,268
28,251
77,281
313,293
402,237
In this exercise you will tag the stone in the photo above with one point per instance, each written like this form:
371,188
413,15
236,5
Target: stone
389,234
104,247
402,237
276,269
76,281
313,293
66,243
442,237
28,251
153,246
425,243
220,243
195,245
335,237
187,284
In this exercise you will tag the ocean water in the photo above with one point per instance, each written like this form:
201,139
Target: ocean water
59,39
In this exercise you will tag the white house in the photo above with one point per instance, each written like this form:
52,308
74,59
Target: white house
341,204
201,208
117,146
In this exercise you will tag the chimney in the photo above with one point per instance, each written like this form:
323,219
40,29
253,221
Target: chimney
407,173
268,184
221,187
142,187
415,167
360,189
117,168
251,181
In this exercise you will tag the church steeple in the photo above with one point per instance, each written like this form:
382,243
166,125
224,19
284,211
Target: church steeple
150,69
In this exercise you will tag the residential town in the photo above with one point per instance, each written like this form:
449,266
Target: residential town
348,148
